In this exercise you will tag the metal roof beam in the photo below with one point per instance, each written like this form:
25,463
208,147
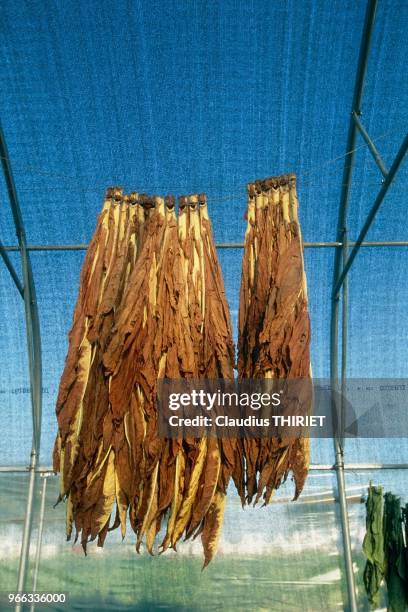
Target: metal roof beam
370,144
370,218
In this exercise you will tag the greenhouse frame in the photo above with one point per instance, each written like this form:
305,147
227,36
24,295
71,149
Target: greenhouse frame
361,152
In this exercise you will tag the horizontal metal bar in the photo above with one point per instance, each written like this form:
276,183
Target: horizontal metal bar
371,215
314,467
308,500
351,499
50,247
322,467
374,243
19,469
219,245
11,269
372,148
304,500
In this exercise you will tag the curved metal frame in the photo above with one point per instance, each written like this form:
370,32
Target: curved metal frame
34,353
342,263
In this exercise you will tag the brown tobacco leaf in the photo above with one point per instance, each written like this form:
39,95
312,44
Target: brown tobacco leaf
207,485
151,340
192,339
131,364
212,525
205,474
151,305
190,494
74,377
72,410
274,327
84,439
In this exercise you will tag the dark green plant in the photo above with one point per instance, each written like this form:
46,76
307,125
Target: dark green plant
394,549
373,545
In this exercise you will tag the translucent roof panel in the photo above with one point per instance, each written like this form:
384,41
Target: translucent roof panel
195,96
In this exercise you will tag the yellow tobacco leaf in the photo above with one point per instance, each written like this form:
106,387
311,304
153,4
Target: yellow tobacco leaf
177,498
188,501
151,510
122,505
212,527
104,506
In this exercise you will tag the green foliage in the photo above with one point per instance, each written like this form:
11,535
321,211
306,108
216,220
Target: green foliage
385,550
373,545
396,572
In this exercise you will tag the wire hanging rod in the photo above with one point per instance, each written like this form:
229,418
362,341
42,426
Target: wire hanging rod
33,170
82,246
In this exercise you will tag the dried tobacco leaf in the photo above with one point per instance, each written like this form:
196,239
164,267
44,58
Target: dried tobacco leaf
85,439
274,328
173,323
152,305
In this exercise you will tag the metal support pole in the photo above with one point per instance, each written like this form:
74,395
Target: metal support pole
34,357
338,264
39,537
344,333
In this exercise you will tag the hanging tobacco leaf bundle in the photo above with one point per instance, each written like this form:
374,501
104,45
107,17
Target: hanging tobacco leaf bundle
176,327
83,401
373,545
77,365
151,305
274,327
209,462
142,348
